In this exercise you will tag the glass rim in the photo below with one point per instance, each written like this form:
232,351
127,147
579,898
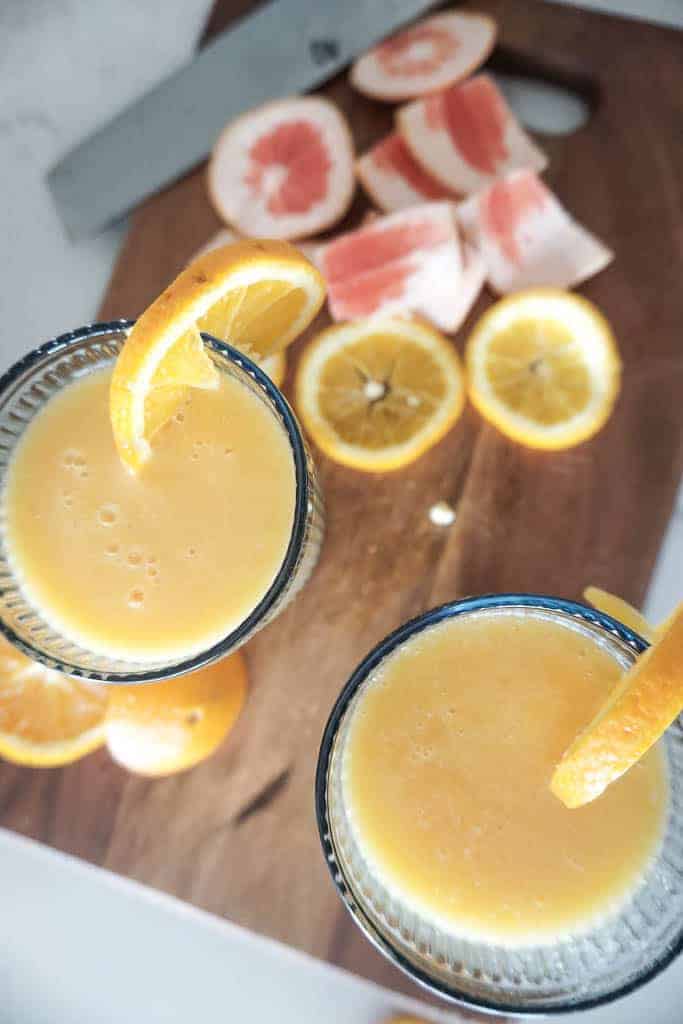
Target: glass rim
61,343
379,940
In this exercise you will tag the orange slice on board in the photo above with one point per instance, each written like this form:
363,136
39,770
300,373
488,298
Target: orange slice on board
527,238
407,262
393,178
642,706
257,295
543,367
376,394
466,136
429,55
46,718
284,170
160,728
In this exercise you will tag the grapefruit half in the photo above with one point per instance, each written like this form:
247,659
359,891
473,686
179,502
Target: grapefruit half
284,170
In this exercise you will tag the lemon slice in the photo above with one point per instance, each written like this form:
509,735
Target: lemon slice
162,728
620,610
376,394
257,295
642,706
543,366
46,718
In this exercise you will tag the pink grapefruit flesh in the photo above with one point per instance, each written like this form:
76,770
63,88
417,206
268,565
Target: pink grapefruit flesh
526,238
284,170
426,56
393,178
466,136
407,262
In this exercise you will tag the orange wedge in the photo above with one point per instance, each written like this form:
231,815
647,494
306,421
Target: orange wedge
46,718
256,295
375,394
641,708
157,729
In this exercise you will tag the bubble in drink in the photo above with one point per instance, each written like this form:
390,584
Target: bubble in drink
107,515
136,598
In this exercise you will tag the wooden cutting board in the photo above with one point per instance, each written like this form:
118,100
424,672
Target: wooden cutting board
237,835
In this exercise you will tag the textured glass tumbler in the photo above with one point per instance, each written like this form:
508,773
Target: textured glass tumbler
618,954
25,389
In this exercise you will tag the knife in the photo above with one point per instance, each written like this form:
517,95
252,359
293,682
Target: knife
284,47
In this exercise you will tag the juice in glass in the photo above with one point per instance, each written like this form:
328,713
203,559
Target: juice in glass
443,773
156,568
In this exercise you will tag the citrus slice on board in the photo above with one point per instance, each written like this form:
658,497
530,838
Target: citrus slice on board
642,706
466,135
376,394
620,610
426,56
406,262
284,170
46,718
393,178
160,728
527,238
543,367
257,295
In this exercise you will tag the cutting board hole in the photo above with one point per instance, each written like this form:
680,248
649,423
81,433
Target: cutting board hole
545,101
545,108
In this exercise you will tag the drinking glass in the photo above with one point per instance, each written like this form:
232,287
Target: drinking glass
24,390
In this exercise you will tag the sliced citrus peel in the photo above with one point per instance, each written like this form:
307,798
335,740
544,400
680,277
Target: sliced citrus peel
258,295
466,136
393,178
283,170
527,238
46,718
425,56
643,705
376,394
156,729
543,367
407,262
620,610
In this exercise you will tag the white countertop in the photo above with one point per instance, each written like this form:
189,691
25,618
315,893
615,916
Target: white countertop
66,66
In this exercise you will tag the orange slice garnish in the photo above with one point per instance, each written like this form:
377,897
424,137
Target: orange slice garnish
256,295
643,705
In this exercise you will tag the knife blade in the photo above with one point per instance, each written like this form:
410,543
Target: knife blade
284,47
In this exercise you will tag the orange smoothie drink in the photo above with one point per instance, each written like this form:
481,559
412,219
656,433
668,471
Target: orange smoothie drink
159,564
439,792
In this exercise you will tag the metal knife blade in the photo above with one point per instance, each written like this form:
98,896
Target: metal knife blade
285,47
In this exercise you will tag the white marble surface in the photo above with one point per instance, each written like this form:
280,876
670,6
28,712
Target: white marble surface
66,66
88,947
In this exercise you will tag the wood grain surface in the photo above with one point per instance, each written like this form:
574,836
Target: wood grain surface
237,835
